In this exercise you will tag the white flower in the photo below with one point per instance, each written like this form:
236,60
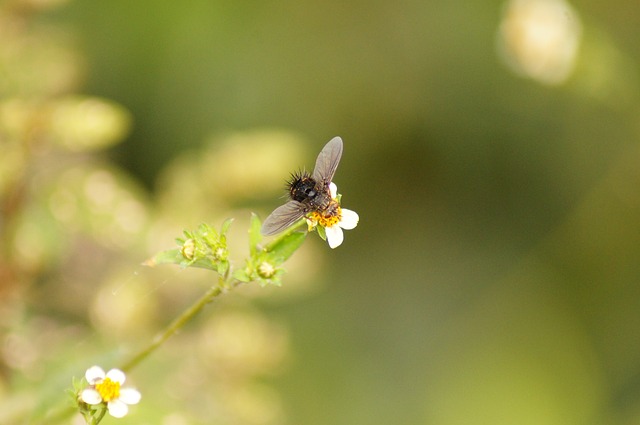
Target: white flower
334,223
348,220
106,388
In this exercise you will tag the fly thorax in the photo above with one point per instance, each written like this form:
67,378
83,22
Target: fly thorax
303,189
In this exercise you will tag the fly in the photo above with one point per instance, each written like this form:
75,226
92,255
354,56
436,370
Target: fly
308,192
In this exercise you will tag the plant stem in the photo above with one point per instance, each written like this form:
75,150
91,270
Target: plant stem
174,326
99,418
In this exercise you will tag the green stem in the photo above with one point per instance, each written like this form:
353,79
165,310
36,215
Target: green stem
173,327
99,418
64,412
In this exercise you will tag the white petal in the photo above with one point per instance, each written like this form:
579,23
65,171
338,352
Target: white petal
116,375
334,236
91,396
349,219
94,374
333,189
129,396
117,408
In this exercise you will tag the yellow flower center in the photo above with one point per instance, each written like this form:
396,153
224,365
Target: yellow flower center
108,389
328,220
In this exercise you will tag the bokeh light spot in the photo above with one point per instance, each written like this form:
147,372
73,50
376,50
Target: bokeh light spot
540,39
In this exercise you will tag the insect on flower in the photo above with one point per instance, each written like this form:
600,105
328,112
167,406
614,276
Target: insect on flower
309,193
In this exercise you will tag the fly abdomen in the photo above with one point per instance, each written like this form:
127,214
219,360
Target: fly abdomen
321,201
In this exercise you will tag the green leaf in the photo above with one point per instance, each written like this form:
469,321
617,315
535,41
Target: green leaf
242,276
284,248
322,233
222,267
171,256
208,234
202,263
254,234
174,256
225,226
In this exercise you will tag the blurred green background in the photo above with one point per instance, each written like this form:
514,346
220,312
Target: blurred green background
491,151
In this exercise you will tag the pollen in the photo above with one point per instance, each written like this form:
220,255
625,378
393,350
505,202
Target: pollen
328,220
108,389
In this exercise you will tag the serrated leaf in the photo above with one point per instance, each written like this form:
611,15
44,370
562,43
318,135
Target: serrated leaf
254,234
284,248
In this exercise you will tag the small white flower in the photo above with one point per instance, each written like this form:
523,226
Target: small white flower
334,224
106,388
348,220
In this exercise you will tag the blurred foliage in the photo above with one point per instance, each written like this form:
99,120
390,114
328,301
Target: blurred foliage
491,149
74,226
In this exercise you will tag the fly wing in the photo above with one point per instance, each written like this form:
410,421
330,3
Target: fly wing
282,217
328,161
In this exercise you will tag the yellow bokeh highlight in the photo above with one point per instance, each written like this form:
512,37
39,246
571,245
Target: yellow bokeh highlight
539,39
